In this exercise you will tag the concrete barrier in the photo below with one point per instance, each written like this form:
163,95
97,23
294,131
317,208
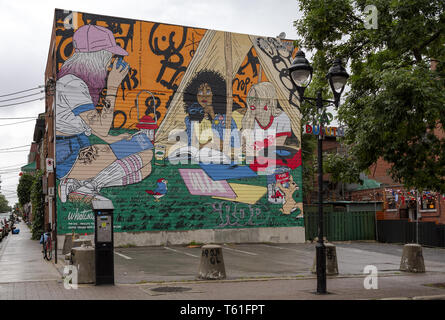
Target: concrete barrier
331,260
211,266
68,242
412,258
83,259
82,242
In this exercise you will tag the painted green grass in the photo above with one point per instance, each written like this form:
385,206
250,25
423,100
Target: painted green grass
135,210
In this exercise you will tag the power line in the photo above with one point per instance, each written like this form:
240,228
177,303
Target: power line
10,148
14,104
29,95
8,124
13,93
8,173
13,165
18,118
9,170
14,151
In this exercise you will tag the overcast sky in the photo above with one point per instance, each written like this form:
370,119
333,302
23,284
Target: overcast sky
25,34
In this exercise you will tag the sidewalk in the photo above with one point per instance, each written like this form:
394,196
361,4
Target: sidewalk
170,273
21,259
350,288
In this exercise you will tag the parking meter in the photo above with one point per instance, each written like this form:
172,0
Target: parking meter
103,241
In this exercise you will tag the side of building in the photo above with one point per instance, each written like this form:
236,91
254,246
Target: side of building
175,125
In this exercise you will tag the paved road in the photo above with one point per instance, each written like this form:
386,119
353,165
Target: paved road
173,263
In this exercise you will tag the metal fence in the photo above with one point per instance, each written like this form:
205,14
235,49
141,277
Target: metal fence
402,231
340,225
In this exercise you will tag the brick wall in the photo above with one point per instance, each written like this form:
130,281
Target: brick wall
148,191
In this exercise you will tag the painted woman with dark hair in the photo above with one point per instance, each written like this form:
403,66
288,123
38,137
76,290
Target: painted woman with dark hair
205,100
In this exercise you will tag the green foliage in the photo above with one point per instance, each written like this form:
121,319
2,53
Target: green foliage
308,147
24,188
38,206
4,207
396,104
342,168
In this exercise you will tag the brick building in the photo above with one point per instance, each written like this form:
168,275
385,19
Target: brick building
398,202
128,106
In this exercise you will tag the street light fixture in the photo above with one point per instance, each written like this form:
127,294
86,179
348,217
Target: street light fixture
337,77
301,75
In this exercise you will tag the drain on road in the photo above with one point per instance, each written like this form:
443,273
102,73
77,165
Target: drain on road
171,289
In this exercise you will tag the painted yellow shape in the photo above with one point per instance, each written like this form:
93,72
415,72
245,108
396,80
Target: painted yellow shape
245,193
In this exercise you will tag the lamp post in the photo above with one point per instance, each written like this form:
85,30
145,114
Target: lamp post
301,75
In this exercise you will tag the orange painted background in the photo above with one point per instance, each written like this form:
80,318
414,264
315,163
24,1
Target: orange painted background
158,56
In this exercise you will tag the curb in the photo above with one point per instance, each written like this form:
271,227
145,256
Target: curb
298,277
436,297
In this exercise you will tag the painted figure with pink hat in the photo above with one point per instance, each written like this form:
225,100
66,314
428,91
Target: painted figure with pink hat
84,169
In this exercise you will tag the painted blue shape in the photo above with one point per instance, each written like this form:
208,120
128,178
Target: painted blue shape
283,153
124,148
227,171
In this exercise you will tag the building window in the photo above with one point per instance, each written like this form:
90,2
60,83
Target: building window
391,202
428,201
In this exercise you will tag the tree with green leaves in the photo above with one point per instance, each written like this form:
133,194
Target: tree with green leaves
4,206
38,206
395,106
24,188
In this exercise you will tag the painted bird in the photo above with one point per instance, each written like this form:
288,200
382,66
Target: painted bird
161,189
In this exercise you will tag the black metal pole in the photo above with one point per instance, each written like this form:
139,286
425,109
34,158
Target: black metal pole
320,247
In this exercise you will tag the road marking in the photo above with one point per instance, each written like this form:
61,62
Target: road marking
177,251
123,255
265,245
283,248
230,249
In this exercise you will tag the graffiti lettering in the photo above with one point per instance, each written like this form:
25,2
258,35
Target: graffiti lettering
65,46
130,82
152,105
281,57
232,215
243,85
81,215
252,61
119,112
214,255
173,58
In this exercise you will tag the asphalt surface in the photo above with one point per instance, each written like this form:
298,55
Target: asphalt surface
246,261
260,271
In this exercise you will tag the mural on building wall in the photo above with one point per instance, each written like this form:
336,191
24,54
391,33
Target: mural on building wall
181,128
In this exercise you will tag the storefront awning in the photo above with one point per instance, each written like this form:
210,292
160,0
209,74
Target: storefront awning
369,184
29,167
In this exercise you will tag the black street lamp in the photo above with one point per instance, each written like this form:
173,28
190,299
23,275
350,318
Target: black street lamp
301,75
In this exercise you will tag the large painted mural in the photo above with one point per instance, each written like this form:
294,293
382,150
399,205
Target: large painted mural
181,128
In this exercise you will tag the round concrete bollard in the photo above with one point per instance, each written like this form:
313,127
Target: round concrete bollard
83,259
331,260
412,258
212,263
